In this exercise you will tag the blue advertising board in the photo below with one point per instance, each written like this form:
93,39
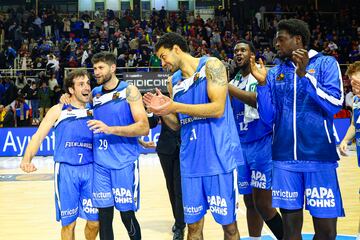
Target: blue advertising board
13,141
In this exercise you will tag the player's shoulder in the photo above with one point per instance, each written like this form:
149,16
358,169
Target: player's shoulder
132,93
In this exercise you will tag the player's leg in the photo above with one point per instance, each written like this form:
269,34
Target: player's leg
325,228
91,230
231,231
68,231
103,199
261,165
222,194
195,230
171,169
131,224
87,210
178,206
106,216
292,222
263,203
254,220
126,190
288,195
195,206
323,200
67,194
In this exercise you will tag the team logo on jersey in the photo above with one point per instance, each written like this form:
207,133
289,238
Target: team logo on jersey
116,95
280,77
98,95
312,71
196,77
89,113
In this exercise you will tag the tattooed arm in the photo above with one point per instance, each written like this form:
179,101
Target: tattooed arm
139,128
217,88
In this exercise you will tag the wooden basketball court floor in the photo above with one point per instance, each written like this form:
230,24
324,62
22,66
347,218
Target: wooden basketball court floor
27,203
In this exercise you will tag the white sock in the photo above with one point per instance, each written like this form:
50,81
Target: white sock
255,238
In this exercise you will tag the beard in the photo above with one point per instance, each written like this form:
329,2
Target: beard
105,79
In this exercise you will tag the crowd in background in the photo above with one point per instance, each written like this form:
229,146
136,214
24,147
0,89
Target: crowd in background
52,42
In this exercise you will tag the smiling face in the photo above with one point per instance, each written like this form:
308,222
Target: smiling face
170,59
80,92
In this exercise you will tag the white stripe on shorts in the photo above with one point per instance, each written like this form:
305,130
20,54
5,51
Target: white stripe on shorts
56,182
136,183
236,191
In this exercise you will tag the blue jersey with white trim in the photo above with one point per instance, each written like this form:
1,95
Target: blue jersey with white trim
248,131
302,109
209,146
73,138
356,109
112,108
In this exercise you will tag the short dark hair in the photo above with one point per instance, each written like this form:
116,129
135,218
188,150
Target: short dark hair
250,44
69,80
168,40
106,57
296,27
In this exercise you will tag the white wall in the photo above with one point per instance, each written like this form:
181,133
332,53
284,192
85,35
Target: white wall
157,4
112,4
172,5
86,5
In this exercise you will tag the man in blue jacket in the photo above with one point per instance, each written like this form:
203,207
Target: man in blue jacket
298,98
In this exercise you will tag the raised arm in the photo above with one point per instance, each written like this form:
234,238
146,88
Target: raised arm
46,124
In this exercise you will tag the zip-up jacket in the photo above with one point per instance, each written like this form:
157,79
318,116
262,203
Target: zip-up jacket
301,109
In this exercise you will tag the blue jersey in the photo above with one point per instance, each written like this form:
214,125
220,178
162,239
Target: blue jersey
301,110
356,109
112,108
73,139
248,131
209,146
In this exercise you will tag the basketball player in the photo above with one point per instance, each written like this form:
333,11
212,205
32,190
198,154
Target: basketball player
298,98
353,72
209,149
120,117
255,138
73,157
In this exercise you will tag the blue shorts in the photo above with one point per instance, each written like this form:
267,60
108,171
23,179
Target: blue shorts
117,187
320,190
73,193
218,193
257,170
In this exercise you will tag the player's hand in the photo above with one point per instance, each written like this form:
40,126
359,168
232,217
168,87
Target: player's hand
27,166
147,144
65,99
98,126
355,83
158,103
301,59
343,148
258,72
